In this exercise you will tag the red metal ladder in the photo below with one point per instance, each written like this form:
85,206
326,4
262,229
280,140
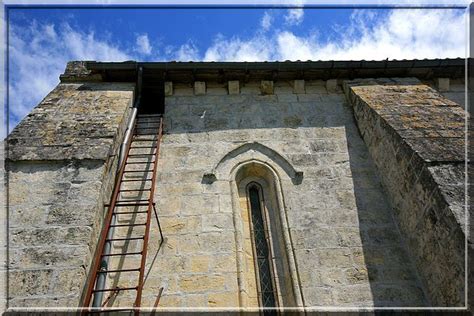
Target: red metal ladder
135,178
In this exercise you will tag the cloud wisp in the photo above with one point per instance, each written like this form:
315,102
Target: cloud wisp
266,21
143,44
294,16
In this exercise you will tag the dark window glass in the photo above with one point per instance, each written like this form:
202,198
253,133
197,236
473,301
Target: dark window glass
261,249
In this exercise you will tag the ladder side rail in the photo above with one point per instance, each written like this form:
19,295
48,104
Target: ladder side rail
107,221
104,262
147,228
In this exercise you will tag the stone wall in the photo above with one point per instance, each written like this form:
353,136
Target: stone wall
454,90
416,138
348,242
61,169
345,243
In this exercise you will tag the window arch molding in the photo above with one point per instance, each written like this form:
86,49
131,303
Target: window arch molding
253,170
246,153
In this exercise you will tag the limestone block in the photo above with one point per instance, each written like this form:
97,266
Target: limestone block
168,88
442,84
234,87
357,294
195,300
32,282
199,88
357,275
331,85
44,302
178,225
66,281
298,86
38,257
225,299
266,87
202,283
198,264
170,300
318,296
223,263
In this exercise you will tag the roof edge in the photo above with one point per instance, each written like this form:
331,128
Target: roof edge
190,71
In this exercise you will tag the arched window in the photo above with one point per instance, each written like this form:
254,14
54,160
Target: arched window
266,279
262,249
254,163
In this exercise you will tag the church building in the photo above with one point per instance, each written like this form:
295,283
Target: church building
241,186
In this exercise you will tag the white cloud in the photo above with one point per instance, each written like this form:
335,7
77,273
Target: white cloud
143,44
235,49
39,54
266,21
401,34
187,52
294,16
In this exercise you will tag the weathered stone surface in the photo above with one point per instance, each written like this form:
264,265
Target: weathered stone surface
56,202
346,245
199,88
331,85
233,87
442,84
299,86
266,87
202,283
76,71
334,214
416,138
30,283
74,121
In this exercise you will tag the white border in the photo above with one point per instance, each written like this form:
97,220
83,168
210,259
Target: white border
230,3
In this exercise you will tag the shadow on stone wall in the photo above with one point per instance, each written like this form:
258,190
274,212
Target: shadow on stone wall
190,114
391,273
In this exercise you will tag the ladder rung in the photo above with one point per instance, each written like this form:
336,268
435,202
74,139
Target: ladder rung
128,171
148,115
145,139
134,147
136,180
116,289
135,155
134,190
119,270
122,254
147,123
137,200
155,138
131,204
123,239
137,212
139,162
152,139
127,225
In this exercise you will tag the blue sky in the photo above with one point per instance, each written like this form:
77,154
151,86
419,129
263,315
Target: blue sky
41,41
